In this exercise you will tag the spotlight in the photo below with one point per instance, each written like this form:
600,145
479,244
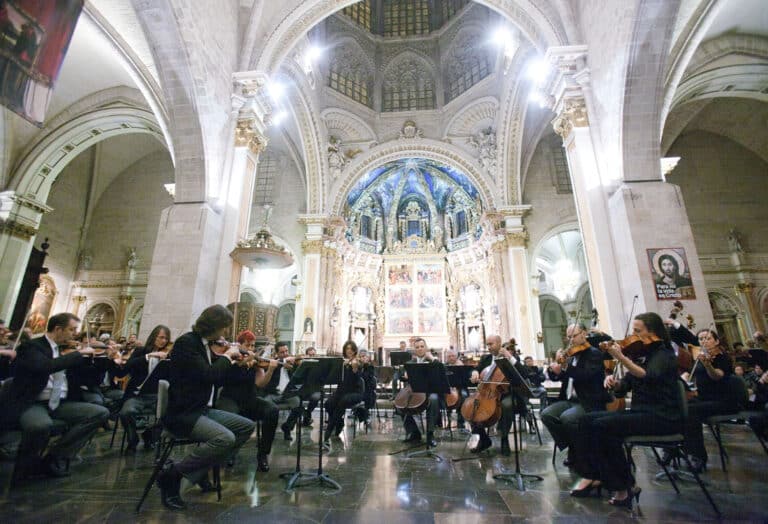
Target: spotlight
279,117
312,53
536,97
501,37
538,71
276,90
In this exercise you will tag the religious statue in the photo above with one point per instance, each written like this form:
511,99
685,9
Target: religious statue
308,326
485,143
410,130
734,241
132,258
336,159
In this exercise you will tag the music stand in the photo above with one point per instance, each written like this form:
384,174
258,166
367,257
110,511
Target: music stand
399,358
519,387
428,379
319,373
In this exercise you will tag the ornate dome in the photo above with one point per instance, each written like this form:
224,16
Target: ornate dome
398,18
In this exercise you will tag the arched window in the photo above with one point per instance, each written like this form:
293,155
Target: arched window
408,86
349,75
360,13
405,17
265,178
467,63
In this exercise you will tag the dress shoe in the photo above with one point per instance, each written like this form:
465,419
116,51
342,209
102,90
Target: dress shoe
413,437
505,447
169,482
626,502
54,467
286,433
431,442
587,491
262,462
206,486
482,445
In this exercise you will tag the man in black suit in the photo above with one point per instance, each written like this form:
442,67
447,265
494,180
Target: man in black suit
195,371
581,390
146,367
421,355
485,369
38,395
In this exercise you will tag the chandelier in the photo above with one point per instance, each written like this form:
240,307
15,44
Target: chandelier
565,279
261,251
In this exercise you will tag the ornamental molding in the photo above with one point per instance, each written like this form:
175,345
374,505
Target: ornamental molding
246,135
573,114
16,229
408,148
516,238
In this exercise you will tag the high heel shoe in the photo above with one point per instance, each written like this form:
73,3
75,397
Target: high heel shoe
626,502
587,492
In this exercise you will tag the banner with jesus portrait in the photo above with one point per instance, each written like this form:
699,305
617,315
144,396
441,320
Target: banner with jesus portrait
34,37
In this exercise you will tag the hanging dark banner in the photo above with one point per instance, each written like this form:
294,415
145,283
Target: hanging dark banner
34,37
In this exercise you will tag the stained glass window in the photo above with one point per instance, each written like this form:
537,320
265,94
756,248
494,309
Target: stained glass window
360,13
405,17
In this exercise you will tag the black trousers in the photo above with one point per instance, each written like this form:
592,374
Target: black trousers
698,411
597,448
337,405
296,413
433,412
509,406
255,408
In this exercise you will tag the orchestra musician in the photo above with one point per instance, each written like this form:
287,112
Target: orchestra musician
39,395
312,401
421,355
581,390
452,359
240,396
347,394
195,371
485,369
140,397
368,372
597,452
713,395
271,384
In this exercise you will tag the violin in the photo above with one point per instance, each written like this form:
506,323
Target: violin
575,350
633,346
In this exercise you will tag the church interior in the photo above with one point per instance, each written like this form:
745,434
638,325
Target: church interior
384,171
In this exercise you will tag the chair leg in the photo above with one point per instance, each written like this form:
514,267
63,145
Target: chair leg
716,433
536,426
114,432
701,485
160,460
666,470
217,480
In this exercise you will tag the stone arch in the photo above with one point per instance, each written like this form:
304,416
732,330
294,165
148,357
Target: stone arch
538,21
554,320
560,228
342,122
412,69
464,122
349,60
39,167
644,88
408,148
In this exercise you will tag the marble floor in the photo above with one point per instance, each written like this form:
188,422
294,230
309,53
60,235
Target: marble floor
378,487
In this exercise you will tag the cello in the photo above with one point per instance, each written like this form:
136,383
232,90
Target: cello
483,407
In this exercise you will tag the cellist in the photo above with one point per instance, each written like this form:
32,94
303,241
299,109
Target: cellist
421,355
484,370
581,389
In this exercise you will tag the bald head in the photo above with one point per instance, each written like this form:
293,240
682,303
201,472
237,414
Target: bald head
494,344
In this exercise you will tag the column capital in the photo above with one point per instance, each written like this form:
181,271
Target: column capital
565,90
79,298
517,238
573,113
248,135
745,288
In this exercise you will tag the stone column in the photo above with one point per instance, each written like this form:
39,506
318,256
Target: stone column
619,219
248,141
308,304
754,318
120,315
19,222
518,289
77,304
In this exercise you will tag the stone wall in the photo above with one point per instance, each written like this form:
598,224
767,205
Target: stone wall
724,186
128,213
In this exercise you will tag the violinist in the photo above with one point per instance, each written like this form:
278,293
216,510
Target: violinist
452,359
145,370
239,396
368,373
710,374
347,394
535,377
581,390
39,395
484,370
271,383
596,447
421,355
195,370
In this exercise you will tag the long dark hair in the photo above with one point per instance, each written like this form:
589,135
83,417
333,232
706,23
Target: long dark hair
655,325
150,345
212,319
348,344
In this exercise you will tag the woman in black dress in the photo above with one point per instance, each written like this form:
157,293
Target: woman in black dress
349,392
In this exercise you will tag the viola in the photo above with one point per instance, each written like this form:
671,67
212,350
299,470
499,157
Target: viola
633,346
575,350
